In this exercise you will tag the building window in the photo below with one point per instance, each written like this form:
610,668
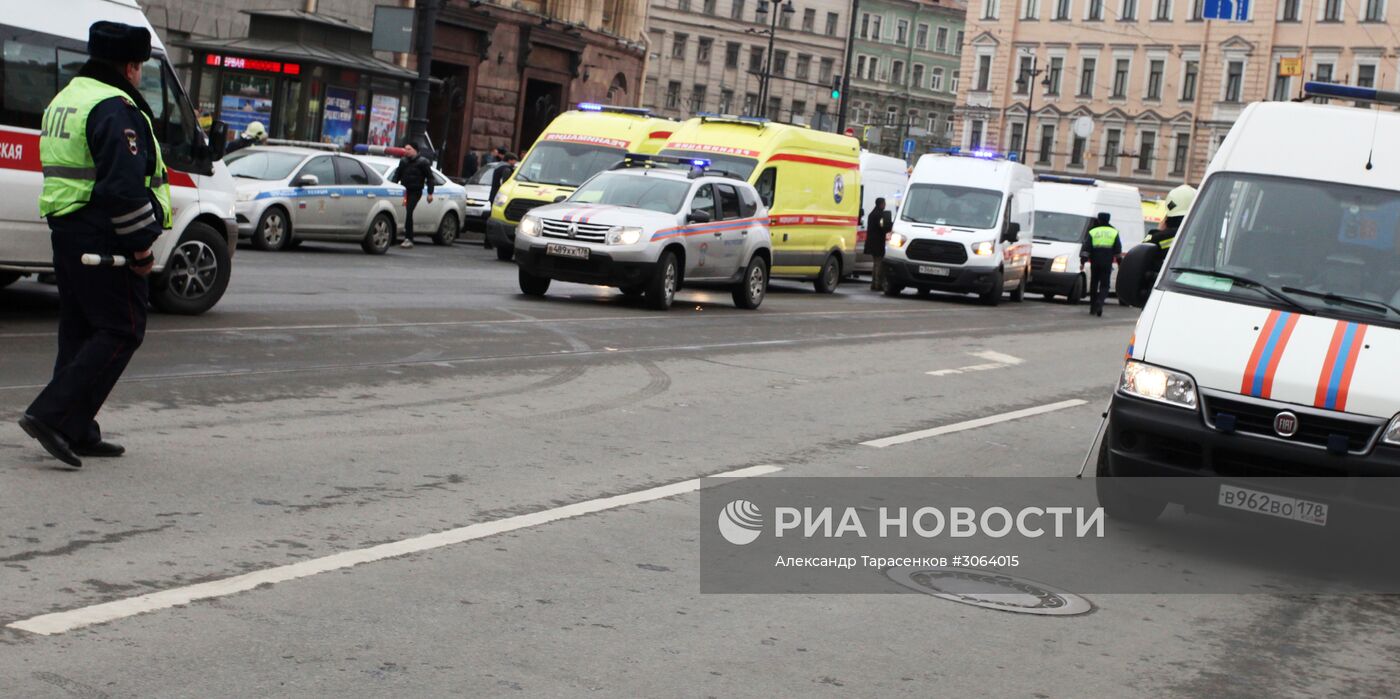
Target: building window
921,37
940,40
780,63
673,95
870,26
1063,9
897,73
1032,9
932,124
1188,81
901,32
775,108
750,104
726,101
784,19
918,76
1234,79
957,48
953,82
755,59
709,7
1375,11
828,66
799,109
809,20
1076,152
1120,78
1128,13
1149,144
1290,10
974,134
819,118
1332,10
1018,136
936,82
984,72
1154,78
1366,75
1095,13
683,5
1052,75
736,10
678,46
1047,144
1323,73
948,128
1283,86
1086,77
1183,151
832,19
1112,144
1022,85
1198,9
804,67
990,10
702,49
891,115
697,98
731,54
1164,11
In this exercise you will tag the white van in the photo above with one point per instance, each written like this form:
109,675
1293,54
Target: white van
1268,345
42,49
965,226
880,176
1065,209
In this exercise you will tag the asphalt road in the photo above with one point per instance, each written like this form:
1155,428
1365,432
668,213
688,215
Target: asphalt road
334,402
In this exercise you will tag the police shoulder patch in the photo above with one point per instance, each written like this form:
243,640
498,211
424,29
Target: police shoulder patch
131,141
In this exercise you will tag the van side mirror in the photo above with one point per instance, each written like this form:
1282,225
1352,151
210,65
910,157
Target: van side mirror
560,198
1137,273
308,181
699,217
1013,232
218,141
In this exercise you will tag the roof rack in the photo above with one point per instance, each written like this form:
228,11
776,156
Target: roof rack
733,119
1362,94
1064,179
976,153
595,107
697,166
303,144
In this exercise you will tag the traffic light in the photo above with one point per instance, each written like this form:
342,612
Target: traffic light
836,88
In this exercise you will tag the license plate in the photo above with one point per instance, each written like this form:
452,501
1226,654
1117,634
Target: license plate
933,271
569,251
1281,506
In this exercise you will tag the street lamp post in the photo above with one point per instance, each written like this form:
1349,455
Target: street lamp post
1024,84
771,19
841,109
418,107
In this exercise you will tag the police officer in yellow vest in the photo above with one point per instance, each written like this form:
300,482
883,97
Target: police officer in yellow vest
1100,247
105,195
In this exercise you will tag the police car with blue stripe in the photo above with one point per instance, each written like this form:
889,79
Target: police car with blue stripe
290,194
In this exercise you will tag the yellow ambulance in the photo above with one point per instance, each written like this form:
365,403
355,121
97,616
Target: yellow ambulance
577,145
809,180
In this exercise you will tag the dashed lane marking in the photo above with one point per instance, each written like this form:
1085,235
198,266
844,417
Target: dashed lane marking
972,424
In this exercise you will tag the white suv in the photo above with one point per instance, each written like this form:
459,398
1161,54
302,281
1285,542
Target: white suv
648,225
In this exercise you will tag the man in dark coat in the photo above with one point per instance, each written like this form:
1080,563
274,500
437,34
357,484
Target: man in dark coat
876,228
415,173
470,164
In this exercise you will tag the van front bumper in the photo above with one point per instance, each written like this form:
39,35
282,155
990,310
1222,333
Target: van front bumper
961,280
1052,282
500,233
600,268
1156,440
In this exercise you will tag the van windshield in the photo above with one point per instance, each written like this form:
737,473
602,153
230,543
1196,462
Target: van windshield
637,191
735,165
263,165
566,164
1327,248
950,205
1061,228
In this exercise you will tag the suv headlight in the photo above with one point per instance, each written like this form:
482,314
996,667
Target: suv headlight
1158,384
1392,432
984,248
529,226
1060,263
897,241
624,235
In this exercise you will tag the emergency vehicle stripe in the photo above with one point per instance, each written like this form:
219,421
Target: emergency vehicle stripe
810,160
1335,381
1268,352
682,231
659,134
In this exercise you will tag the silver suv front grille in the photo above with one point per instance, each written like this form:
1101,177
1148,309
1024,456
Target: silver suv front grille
587,232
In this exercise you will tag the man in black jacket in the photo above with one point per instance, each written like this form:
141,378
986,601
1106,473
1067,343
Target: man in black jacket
875,231
414,173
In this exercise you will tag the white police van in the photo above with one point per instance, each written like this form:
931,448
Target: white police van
43,47
1268,345
647,226
1065,209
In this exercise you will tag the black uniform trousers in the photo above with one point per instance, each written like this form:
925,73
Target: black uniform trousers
1099,275
411,198
102,320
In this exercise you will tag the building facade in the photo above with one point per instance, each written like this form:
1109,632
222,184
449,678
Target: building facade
1152,87
904,74
709,56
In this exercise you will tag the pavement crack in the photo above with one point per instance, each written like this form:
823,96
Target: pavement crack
79,544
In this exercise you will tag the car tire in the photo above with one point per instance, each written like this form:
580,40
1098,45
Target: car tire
661,290
505,253
273,231
379,236
1076,292
1117,501
532,285
195,275
993,296
753,286
830,276
8,278
1019,293
448,230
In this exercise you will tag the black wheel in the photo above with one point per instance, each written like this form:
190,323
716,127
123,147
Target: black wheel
993,295
273,231
196,275
749,292
661,290
531,285
447,230
1076,293
830,276
1019,293
379,235
8,278
633,292
892,289
505,253
1117,501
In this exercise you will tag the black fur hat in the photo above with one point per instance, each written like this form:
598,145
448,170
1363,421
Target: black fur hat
119,43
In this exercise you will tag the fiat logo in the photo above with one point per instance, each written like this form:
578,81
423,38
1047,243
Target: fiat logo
1286,424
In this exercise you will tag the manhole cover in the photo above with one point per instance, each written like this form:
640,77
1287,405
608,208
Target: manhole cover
991,590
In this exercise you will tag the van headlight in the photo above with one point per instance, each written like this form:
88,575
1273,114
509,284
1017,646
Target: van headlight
245,195
500,199
1157,384
897,241
984,248
1060,263
529,227
1392,432
624,235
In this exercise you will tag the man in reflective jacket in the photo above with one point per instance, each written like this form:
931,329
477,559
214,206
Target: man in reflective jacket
106,194
1100,247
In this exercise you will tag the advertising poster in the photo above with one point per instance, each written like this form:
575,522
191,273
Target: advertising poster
383,120
338,122
239,111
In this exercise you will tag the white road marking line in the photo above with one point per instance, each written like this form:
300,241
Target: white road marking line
62,622
972,424
997,360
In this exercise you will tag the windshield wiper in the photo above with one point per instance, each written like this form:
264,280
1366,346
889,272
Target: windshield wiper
1247,282
1342,298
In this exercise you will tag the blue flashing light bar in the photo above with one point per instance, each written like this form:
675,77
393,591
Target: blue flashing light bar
595,107
984,154
1364,94
712,116
644,159
1067,180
